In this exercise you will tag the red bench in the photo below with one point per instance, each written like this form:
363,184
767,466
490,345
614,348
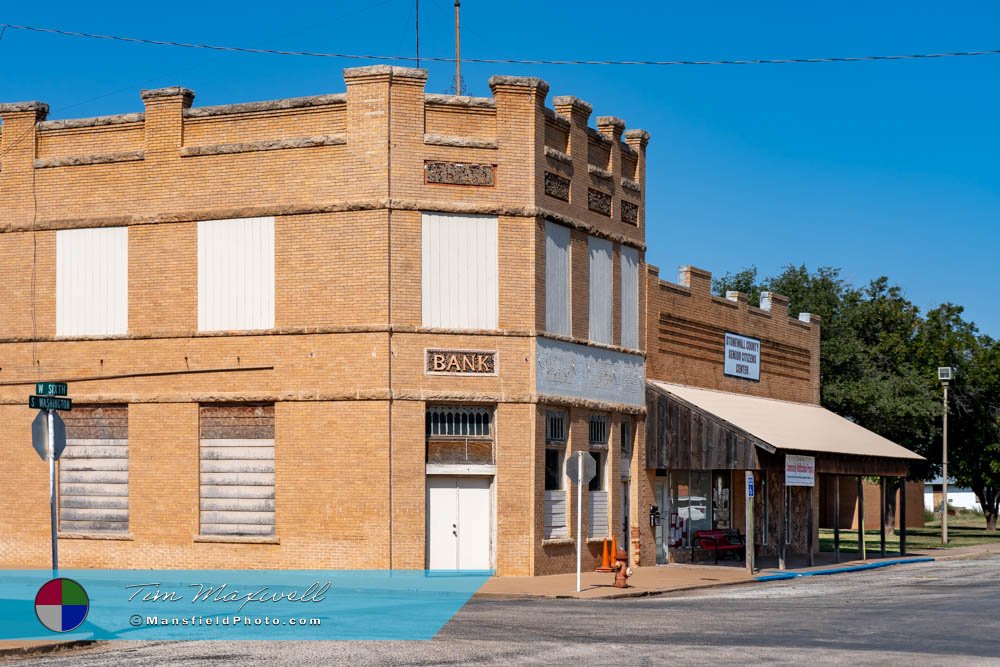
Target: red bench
727,541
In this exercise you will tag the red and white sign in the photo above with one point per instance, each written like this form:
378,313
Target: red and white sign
800,470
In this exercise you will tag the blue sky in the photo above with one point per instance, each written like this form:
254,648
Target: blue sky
882,168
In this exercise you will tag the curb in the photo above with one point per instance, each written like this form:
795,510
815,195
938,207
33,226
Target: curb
44,648
839,570
614,596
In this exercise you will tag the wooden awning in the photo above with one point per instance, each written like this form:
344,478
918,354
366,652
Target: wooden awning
705,429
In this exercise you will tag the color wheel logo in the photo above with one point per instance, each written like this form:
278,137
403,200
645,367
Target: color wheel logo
61,605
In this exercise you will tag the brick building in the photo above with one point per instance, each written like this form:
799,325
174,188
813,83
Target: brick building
355,330
313,332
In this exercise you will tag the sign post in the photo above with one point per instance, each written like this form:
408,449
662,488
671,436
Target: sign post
581,472
52,491
48,435
801,471
749,515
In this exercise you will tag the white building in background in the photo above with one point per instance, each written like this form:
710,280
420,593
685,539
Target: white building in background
958,497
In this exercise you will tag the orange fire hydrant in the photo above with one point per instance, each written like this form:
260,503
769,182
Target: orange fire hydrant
621,569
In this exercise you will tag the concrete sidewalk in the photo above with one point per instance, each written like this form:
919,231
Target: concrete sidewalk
660,579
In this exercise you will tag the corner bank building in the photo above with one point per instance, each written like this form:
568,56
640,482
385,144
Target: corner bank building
369,329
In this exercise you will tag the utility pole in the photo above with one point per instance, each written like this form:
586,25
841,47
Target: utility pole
944,377
458,48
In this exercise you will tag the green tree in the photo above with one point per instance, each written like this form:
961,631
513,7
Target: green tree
868,370
946,339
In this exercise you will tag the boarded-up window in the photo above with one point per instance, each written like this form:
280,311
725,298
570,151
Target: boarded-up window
93,470
92,281
459,271
555,470
600,290
557,279
236,274
630,297
237,470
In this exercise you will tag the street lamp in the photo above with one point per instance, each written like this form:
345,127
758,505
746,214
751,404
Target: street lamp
944,377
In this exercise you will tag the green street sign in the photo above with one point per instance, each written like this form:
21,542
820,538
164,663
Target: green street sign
51,388
49,403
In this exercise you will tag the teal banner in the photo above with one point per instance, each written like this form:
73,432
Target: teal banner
231,604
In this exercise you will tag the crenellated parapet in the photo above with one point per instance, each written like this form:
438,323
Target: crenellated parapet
687,325
505,153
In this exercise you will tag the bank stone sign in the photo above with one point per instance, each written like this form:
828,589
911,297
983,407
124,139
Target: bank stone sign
461,362
742,356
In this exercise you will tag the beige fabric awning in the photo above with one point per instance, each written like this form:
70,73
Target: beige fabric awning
789,426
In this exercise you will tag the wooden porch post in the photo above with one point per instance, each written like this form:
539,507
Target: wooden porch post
862,551
836,519
784,528
809,541
881,502
902,517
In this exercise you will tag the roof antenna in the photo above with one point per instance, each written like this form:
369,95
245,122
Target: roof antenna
417,29
459,86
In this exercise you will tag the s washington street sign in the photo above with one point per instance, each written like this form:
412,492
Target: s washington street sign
49,403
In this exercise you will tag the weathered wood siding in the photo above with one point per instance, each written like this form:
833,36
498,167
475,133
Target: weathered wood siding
237,470
93,471
679,436
598,513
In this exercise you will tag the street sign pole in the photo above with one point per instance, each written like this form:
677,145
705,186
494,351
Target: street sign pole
579,519
50,417
749,548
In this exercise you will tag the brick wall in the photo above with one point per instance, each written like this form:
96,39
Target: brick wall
686,325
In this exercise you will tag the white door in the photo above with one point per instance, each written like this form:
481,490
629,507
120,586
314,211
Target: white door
458,523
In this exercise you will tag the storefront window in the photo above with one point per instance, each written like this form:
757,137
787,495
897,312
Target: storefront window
700,506
678,535
721,506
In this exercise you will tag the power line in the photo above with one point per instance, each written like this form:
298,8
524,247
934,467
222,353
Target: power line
505,61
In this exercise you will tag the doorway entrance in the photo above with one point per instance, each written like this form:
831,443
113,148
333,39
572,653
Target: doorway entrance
459,523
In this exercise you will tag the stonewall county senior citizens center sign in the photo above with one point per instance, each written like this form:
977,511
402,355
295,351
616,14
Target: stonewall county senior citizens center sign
742,357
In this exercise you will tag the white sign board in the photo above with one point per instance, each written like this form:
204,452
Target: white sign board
800,470
742,358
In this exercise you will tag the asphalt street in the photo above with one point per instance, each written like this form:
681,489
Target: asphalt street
942,613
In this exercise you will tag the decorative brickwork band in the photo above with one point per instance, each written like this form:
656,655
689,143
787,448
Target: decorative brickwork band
459,173
630,212
556,186
599,202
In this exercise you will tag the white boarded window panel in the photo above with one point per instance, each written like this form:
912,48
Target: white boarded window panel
555,514
93,471
630,297
92,281
557,279
600,290
237,470
236,274
459,271
598,514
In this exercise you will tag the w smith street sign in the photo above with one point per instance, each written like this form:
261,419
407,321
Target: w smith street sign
49,403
